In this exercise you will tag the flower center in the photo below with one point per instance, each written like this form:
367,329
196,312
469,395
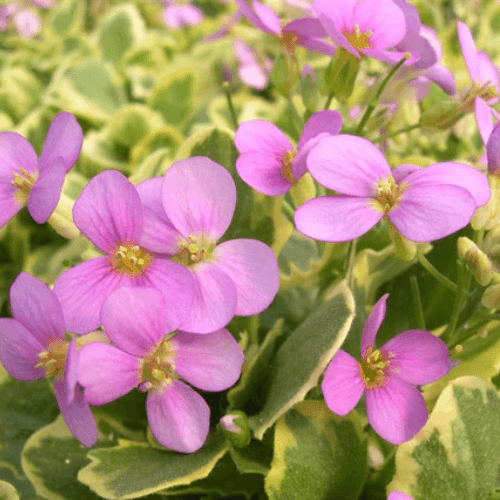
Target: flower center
485,92
375,366
388,193
54,358
357,39
286,166
130,259
193,250
23,181
158,369
289,41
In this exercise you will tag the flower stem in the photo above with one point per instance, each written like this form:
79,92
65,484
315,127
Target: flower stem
288,211
372,105
462,286
329,100
297,120
436,274
232,111
417,303
398,132
349,274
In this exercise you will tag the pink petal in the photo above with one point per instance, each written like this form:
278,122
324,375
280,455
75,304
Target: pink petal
64,140
135,319
455,174
342,384
420,357
106,372
8,204
254,76
209,362
484,119
316,45
262,172
336,218
46,191
27,23
178,417
76,414
267,17
199,195
323,122
469,50
71,370
82,290
177,285
384,19
37,307
243,53
15,153
109,211
493,150
443,77
215,300
262,137
172,17
396,411
402,171
399,495
19,350
391,56
191,15
431,212
347,164
253,269
306,27
372,323
488,72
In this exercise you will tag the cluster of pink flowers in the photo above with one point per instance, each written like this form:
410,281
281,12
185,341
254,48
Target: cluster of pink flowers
21,15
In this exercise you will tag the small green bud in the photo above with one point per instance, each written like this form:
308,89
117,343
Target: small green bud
284,75
491,297
341,73
476,260
309,90
236,428
442,115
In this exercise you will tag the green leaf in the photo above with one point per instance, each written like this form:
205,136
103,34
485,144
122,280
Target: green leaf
8,492
132,469
253,459
317,340
120,30
161,138
455,456
317,455
67,16
19,91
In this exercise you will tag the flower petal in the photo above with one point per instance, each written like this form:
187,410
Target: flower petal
267,17
254,271
71,370
323,122
109,211
455,174
431,212
46,191
37,307
262,137
215,300
336,218
64,140
493,150
199,195
134,319
178,417
19,350
484,119
342,384
443,77
402,171
488,73
210,362
82,290
396,411
254,76
177,285
9,206
399,495
347,164
106,372
76,413
16,153
372,323
469,50
420,357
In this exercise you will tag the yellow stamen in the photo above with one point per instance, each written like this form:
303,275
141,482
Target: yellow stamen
357,39
131,260
54,358
286,166
158,369
375,367
194,249
23,181
388,194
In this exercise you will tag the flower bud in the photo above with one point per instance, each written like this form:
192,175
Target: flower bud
341,73
62,218
236,428
303,190
491,297
442,115
405,249
476,260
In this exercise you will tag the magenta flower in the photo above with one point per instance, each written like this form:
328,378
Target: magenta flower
269,163
424,204
33,346
253,70
26,180
486,117
144,355
493,151
109,213
399,495
176,16
395,408
236,277
365,27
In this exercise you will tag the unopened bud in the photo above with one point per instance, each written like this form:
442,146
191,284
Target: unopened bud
341,74
491,297
457,349
62,218
303,190
476,260
442,115
236,428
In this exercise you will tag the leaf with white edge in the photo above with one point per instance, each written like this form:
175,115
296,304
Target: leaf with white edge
304,356
252,459
8,492
121,29
160,138
317,455
456,454
132,470
20,91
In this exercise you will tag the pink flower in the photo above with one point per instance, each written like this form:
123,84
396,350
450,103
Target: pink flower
395,408
186,213
176,16
269,163
109,213
145,356
33,346
493,151
424,204
25,179
252,71
398,495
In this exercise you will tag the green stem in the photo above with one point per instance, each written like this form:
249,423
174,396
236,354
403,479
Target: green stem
436,274
349,274
329,100
398,132
288,210
232,111
479,237
462,286
387,463
371,107
417,304
297,120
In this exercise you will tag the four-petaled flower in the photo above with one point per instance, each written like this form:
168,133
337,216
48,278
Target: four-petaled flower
395,407
145,355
